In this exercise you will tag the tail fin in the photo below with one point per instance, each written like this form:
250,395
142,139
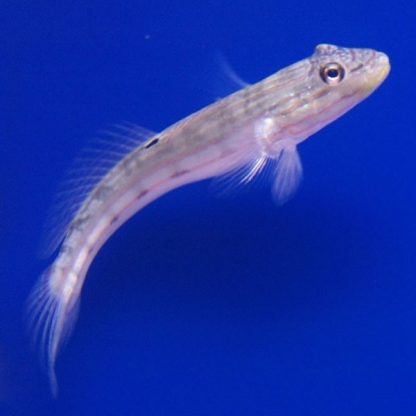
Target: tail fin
51,315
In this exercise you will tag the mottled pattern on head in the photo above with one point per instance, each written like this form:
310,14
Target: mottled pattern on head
315,91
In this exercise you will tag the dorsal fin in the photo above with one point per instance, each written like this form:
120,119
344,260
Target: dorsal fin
93,164
230,81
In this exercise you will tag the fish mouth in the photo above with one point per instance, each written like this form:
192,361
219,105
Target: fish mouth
379,73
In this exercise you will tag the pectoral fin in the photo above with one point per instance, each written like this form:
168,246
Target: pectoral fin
287,175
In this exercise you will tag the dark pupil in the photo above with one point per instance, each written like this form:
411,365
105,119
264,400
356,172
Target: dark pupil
332,73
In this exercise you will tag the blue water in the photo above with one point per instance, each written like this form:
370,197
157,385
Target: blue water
203,305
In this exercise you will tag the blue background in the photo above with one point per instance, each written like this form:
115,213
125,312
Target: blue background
203,305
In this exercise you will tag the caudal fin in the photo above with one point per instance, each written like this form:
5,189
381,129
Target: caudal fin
51,314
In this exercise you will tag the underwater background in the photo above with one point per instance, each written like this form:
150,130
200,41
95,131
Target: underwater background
207,305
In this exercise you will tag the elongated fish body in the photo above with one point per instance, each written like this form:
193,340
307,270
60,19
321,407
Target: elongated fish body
259,124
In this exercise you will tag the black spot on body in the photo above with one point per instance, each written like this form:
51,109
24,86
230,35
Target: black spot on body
179,173
142,193
151,143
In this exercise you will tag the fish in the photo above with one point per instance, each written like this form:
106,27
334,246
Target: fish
258,125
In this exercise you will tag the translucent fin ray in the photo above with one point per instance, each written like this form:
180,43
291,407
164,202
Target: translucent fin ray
50,320
87,171
219,79
229,76
284,171
287,175
237,178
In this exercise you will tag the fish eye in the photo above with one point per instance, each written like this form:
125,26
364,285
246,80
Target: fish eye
332,73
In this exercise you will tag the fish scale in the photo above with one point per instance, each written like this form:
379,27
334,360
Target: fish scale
258,125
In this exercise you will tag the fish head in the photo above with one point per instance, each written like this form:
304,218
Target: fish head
328,84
